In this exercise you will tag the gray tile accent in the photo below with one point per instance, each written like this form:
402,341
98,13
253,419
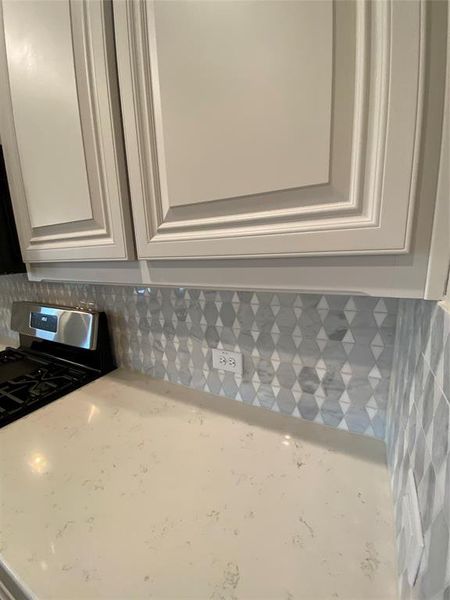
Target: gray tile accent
323,358
418,437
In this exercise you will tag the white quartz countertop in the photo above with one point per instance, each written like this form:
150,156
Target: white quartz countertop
136,488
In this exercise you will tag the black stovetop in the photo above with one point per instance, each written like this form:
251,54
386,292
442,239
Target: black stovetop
29,381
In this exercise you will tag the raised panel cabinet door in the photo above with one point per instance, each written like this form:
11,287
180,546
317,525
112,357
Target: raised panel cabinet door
275,128
61,130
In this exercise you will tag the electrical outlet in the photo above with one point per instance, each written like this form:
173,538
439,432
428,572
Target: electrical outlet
227,361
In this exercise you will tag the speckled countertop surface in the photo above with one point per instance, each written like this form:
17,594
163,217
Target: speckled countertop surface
134,488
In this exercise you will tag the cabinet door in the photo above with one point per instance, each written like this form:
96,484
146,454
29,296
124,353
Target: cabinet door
61,130
275,128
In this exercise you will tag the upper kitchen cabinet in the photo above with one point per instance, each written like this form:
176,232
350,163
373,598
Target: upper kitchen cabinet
61,130
271,128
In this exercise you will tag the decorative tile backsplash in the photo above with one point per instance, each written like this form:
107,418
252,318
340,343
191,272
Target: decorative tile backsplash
418,438
322,358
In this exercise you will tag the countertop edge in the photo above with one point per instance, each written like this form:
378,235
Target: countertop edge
11,588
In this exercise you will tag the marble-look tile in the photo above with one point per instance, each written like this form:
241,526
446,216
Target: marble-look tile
333,348
446,372
357,418
309,380
286,401
265,371
286,375
441,432
332,413
418,437
336,325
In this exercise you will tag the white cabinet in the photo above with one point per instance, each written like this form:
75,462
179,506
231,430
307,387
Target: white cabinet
276,144
61,130
271,129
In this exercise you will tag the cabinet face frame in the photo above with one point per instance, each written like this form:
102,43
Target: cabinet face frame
376,216
107,233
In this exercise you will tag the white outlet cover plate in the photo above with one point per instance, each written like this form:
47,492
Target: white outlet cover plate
225,360
412,529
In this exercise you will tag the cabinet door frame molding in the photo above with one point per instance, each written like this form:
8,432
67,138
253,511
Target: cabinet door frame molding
107,234
376,216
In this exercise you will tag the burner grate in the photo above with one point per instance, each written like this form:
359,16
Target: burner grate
22,394
9,356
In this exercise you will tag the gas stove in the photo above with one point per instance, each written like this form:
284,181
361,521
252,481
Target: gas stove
61,349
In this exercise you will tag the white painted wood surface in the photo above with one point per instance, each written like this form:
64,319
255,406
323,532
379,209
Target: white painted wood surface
243,96
45,109
438,283
188,100
61,131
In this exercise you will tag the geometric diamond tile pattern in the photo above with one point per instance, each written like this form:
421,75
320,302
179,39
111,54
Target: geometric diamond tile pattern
324,358
418,438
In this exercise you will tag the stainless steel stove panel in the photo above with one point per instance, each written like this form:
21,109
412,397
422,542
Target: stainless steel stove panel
69,326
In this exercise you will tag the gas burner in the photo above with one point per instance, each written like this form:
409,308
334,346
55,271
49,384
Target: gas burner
41,384
8,356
